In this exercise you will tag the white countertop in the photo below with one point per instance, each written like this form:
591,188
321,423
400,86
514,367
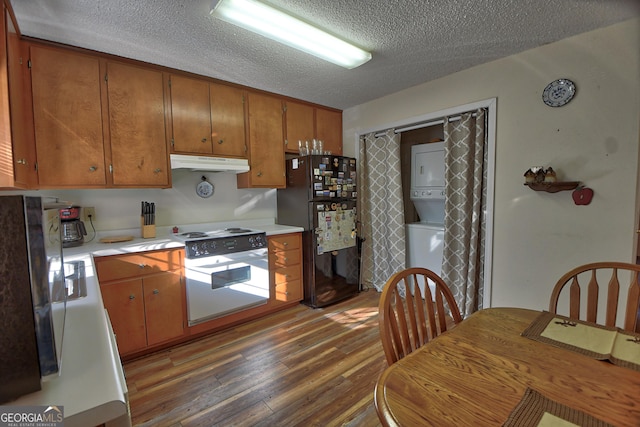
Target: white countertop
164,240
90,386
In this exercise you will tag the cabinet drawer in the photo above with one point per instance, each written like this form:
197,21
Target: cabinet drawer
117,267
285,258
286,274
289,291
284,242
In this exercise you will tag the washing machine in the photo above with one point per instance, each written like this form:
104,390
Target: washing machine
425,239
424,245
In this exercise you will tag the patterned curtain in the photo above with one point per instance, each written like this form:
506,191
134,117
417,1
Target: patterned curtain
465,206
380,208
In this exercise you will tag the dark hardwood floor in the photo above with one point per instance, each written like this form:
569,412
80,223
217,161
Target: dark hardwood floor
301,366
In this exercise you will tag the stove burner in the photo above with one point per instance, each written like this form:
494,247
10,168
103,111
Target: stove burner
237,230
194,235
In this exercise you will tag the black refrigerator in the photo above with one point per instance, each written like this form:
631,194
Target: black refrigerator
321,198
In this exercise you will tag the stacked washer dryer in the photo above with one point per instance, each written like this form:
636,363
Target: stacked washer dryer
425,239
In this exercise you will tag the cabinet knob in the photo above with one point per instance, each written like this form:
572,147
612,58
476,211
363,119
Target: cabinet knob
285,244
285,259
259,173
142,265
132,296
157,170
93,168
156,292
204,139
220,141
21,161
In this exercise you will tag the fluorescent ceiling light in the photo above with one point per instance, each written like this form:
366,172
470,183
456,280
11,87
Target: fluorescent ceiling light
276,25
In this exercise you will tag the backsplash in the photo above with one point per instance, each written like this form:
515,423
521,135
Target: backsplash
120,208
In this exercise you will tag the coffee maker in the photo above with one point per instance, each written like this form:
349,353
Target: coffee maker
73,230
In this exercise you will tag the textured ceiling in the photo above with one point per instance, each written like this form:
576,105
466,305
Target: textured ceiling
412,41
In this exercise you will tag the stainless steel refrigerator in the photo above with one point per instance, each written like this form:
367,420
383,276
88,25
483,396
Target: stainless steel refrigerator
321,198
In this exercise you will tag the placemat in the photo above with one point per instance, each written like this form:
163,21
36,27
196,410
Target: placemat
599,342
536,410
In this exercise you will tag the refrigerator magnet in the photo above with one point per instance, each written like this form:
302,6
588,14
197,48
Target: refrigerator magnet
317,186
320,250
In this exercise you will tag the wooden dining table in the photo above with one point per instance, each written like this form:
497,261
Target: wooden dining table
477,373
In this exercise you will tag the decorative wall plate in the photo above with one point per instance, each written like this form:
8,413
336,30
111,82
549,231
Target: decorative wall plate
559,92
204,188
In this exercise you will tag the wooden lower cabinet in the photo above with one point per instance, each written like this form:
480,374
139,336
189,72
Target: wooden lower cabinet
285,268
147,307
145,297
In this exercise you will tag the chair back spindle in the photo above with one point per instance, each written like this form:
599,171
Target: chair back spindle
412,313
614,272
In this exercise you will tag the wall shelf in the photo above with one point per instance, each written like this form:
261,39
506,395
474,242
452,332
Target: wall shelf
552,187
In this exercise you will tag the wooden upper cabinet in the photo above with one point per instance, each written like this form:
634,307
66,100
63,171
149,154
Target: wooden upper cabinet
299,119
67,118
329,130
139,155
266,141
6,154
227,120
17,152
207,118
190,116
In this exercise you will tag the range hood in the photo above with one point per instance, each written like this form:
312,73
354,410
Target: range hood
211,164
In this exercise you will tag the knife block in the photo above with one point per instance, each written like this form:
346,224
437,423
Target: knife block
147,231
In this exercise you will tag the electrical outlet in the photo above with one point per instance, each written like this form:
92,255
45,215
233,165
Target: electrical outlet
89,214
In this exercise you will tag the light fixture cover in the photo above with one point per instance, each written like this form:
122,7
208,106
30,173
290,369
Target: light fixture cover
276,25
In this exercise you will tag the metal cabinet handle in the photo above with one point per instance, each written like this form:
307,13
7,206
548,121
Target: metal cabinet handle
132,296
285,259
21,161
285,243
156,292
93,168
142,265
220,141
259,173
157,170
204,139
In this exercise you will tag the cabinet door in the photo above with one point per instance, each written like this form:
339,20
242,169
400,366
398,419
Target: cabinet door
266,141
190,115
163,307
227,121
124,302
299,125
67,118
329,130
285,268
136,125
16,137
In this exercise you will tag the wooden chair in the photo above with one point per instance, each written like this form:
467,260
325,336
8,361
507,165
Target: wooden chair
588,276
413,314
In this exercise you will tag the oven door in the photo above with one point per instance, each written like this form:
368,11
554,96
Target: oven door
224,284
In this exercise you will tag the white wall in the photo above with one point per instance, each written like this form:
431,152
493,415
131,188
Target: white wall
120,209
594,139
